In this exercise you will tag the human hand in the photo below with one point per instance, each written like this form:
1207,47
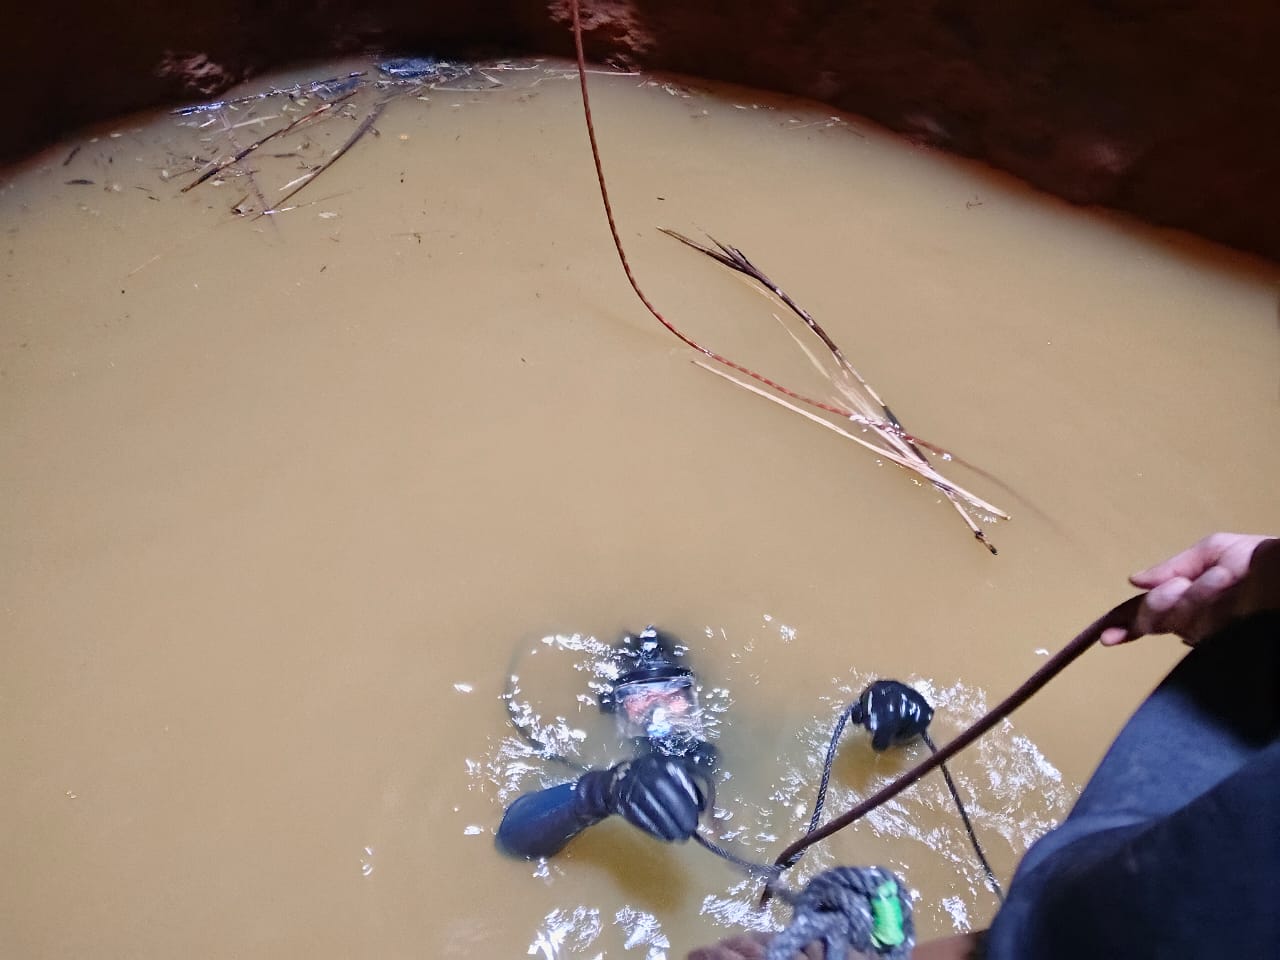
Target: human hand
1197,592
663,796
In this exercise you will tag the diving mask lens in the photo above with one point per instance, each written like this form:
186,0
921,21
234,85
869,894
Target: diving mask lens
657,709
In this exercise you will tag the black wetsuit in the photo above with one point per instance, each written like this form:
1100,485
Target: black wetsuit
539,824
1173,849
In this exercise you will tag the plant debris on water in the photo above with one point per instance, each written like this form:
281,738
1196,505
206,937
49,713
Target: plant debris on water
862,406
303,107
334,114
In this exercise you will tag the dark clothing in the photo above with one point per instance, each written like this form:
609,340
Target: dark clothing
1173,849
539,824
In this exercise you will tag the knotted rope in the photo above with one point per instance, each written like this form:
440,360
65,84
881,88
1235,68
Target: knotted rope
864,909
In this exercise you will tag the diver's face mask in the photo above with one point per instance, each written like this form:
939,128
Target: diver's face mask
658,709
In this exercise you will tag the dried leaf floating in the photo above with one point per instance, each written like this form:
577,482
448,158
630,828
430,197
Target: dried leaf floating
869,412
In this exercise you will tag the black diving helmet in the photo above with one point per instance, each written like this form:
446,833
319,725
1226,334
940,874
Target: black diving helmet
655,697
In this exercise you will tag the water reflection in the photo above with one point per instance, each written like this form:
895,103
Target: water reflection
572,930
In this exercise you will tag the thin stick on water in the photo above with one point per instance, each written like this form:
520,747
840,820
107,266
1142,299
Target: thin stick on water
927,472
254,188
734,258
903,447
852,385
241,154
365,126
297,90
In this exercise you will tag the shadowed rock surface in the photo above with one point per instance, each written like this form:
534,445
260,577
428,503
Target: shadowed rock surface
1163,108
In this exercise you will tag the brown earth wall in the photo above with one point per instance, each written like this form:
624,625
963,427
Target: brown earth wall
1167,109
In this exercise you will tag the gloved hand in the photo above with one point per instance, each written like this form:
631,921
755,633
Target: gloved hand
663,796
892,712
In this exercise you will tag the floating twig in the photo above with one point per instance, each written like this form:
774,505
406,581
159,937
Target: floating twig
341,87
365,125
239,208
927,472
900,447
241,154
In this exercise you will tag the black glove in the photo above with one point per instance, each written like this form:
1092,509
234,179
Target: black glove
663,796
892,712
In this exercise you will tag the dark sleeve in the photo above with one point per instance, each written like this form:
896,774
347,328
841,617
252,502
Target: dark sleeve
540,824
1174,847
1201,882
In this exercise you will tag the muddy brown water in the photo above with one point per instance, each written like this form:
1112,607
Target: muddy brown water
283,496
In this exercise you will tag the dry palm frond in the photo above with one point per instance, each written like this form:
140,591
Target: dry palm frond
861,404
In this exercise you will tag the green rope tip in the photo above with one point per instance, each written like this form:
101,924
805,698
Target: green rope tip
887,929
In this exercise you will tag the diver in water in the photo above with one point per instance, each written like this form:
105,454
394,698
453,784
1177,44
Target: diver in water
669,784
1172,850
663,790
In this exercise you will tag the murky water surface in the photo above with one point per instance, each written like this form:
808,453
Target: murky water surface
284,495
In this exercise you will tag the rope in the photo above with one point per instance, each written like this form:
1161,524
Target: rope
768,871
826,768
864,909
968,824
1120,615
951,786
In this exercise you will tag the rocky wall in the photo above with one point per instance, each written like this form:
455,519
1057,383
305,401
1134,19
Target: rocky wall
1164,108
